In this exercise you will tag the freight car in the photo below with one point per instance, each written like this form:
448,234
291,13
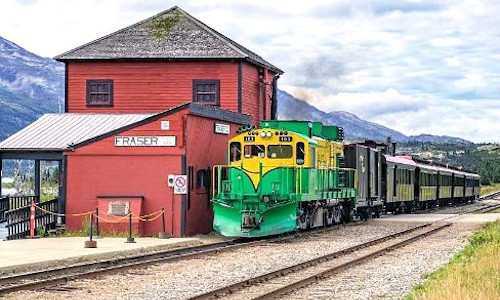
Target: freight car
367,162
289,175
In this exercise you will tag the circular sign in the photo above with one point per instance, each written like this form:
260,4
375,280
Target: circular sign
180,182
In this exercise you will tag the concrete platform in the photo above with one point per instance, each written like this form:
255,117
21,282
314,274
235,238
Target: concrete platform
453,218
31,254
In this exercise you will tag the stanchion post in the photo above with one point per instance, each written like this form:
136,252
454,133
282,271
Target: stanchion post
91,243
130,239
32,220
163,234
97,233
91,226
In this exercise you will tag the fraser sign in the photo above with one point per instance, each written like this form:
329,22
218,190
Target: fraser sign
145,141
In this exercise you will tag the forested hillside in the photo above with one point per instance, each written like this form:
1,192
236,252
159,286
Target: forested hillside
481,158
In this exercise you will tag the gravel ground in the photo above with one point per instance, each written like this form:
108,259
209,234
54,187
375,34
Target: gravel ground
387,277
180,280
393,275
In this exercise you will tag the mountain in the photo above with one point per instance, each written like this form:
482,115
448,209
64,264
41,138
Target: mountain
355,129
30,86
443,139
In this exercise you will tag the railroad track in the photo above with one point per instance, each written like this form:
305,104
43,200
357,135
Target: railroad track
61,275
486,209
278,283
58,276
494,195
283,281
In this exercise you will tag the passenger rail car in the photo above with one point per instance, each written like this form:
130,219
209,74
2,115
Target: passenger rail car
398,182
281,177
409,185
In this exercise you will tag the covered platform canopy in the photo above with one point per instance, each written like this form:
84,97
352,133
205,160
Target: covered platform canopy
48,137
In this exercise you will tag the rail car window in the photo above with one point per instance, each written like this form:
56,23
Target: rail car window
300,153
279,151
235,151
254,150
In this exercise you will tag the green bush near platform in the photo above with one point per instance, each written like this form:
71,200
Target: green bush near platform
474,273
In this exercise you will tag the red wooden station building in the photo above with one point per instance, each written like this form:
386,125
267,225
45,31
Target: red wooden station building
157,100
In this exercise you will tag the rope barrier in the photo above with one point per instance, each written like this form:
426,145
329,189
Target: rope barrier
144,218
115,220
63,215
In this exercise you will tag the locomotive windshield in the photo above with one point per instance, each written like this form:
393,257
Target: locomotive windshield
254,150
235,151
279,151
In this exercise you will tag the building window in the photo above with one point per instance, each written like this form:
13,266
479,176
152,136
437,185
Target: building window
206,91
100,92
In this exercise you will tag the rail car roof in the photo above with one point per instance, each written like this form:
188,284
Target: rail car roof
402,160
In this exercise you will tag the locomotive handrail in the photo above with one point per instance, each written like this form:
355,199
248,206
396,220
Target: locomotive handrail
349,179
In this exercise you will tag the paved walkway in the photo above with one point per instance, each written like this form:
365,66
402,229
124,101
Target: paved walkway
25,254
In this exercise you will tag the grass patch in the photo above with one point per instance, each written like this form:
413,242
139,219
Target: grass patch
474,273
488,189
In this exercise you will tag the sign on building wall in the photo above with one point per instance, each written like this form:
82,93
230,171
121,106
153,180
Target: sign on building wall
222,128
145,141
165,125
118,208
180,184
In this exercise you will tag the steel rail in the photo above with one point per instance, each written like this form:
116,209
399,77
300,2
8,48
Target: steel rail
218,293
490,196
324,274
487,208
60,275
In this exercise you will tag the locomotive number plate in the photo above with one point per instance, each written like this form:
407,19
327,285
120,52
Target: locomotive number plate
249,139
285,138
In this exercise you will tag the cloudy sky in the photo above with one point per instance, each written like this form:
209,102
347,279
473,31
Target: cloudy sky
417,66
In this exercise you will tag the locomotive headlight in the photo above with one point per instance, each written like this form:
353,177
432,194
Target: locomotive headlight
269,134
263,134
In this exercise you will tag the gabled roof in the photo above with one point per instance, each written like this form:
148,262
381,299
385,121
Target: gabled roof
64,131
172,34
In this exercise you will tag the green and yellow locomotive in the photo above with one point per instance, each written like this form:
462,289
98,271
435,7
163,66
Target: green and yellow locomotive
283,176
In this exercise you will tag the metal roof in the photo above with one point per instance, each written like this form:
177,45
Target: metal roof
61,131
171,34
403,160
58,132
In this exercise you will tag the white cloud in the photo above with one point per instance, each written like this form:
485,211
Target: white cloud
382,60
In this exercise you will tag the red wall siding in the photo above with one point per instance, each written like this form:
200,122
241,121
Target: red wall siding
256,93
204,149
101,168
150,86
250,92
